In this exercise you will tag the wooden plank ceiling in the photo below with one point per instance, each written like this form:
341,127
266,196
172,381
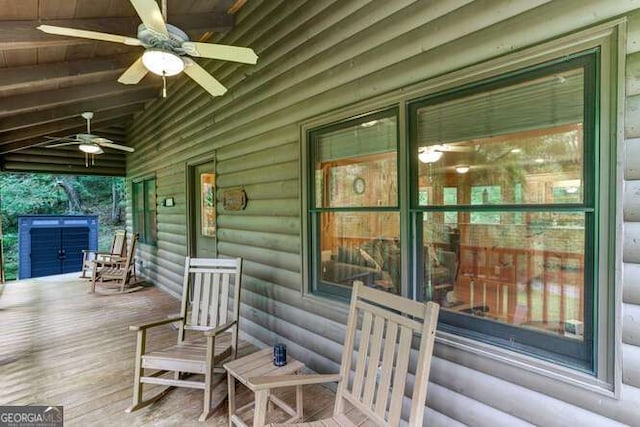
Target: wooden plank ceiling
47,81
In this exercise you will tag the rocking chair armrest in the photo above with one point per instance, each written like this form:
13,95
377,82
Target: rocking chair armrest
95,251
156,323
218,329
113,261
276,381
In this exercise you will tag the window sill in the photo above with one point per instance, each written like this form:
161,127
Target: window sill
518,368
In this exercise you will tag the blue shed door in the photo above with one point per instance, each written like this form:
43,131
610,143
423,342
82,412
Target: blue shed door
74,241
57,250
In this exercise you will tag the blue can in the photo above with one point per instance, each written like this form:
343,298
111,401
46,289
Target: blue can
279,354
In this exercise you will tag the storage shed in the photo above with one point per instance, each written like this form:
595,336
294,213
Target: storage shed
53,244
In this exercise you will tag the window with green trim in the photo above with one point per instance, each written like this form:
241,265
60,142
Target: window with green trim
503,208
144,210
354,213
506,242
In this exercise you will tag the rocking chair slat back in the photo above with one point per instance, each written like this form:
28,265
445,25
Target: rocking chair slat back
209,291
382,347
116,270
119,245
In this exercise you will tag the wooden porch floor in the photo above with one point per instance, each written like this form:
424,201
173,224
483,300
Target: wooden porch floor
63,346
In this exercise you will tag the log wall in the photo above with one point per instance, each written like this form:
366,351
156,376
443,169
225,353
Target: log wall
318,56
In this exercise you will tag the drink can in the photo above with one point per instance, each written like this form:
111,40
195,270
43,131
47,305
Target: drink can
279,354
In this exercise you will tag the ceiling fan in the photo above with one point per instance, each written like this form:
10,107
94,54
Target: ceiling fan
168,50
88,143
433,153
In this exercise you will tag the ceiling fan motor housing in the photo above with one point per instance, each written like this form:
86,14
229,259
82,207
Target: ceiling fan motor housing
155,40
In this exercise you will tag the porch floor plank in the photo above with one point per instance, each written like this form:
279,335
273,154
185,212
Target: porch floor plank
63,346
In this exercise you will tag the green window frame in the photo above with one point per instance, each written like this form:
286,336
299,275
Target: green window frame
353,211
588,361
485,208
144,210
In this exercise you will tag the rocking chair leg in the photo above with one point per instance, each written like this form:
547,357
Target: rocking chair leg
142,403
92,285
137,385
206,411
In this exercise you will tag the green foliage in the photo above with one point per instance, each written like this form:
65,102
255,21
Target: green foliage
28,194
43,194
10,240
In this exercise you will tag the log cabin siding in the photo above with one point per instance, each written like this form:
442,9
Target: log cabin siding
318,56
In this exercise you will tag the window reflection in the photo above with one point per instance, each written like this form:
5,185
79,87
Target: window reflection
355,204
208,204
529,274
361,246
509,162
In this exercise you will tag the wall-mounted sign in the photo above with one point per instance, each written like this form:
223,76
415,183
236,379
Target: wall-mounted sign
234,199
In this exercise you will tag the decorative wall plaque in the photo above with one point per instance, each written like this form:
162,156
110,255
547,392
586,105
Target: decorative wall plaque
234,199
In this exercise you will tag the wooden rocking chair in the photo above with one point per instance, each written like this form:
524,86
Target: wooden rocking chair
214,314
382,362
115,272
118,249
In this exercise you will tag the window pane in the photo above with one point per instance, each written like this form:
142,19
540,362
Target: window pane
485,195
150,212
150,195
526,140
356,165
208,201
450,197
528,274
138,207
360,246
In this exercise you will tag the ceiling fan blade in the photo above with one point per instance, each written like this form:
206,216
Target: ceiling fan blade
112,145
151,15
134,73
66,139
94,35
203,78
101,140
62,144
221,51
61,138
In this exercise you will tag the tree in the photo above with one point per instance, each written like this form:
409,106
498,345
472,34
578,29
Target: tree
67,185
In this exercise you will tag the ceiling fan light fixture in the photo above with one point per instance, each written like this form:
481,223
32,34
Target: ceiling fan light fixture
90,148
162,62
462,169
429,156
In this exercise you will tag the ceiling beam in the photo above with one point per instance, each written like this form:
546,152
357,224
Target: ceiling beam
17,104
37,141
34,77
25,35
71,125
8,165
60,153
65,159
135,95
